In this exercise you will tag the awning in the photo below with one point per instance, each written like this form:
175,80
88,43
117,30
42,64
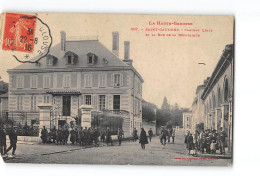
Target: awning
63,92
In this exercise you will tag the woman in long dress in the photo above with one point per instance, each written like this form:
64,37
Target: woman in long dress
143,138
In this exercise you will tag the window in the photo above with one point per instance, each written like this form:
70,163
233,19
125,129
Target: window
116,105
88,99
46,81
66,81
20,82
117,80
33,102
50,61
88,80
69,59
102,102
19,102
102,80
46,99
91,58
34,81
187,119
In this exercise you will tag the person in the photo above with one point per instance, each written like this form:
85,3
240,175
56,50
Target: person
13,141
44,135
59,135
213,147
80,136
150,133
108,137
120,134
85,136
173,135
73,136
135,136
190,144
54,134
102,135
2,141
95,136
222,140
143,138
67,133
164,134
169,131
186,139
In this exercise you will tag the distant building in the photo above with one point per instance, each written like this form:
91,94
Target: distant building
218,95
187,121
78,72
198,108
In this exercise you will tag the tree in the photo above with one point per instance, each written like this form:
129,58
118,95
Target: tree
165,104
148,111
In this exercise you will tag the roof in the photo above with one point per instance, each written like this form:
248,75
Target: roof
223,63
62,92
81,48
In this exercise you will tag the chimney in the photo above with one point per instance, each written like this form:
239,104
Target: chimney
115,44
127,47
63,40
127,59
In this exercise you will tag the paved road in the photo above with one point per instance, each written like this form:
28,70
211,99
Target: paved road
127,153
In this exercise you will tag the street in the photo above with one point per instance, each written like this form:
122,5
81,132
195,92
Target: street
128,153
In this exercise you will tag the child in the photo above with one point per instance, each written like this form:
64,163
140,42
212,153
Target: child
213,147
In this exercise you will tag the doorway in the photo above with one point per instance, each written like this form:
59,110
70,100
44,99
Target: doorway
61,123
66,105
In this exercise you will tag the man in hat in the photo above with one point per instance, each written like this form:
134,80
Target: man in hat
13,141
44,135
108,137
150,133
120,134
222,140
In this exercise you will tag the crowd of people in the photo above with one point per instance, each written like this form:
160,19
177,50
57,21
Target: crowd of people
208,141
78,135
90,136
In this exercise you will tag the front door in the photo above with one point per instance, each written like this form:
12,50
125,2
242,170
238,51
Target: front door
61,123
66,105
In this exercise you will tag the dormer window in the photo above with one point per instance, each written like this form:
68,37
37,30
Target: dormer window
91,58
51,60
71,58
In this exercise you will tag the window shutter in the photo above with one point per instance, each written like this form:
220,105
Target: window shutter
91,80
105,80
107,102
121,80
112,80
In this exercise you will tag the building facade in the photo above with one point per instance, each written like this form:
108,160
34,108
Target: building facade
218,95
198,108
78,72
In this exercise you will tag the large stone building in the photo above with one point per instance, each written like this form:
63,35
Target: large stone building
75,73
218,95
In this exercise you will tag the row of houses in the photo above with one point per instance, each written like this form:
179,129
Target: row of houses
212,107
75,73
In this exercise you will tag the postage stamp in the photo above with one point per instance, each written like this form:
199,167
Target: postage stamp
26,36
19,32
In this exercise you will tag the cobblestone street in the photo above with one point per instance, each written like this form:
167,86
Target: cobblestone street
127,153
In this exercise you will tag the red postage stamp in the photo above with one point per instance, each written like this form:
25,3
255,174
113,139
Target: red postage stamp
19,32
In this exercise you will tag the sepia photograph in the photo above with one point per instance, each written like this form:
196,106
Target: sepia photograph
117,89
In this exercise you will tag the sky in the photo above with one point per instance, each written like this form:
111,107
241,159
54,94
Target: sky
168,65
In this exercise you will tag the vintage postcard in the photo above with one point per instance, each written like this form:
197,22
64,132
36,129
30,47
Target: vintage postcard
116,89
